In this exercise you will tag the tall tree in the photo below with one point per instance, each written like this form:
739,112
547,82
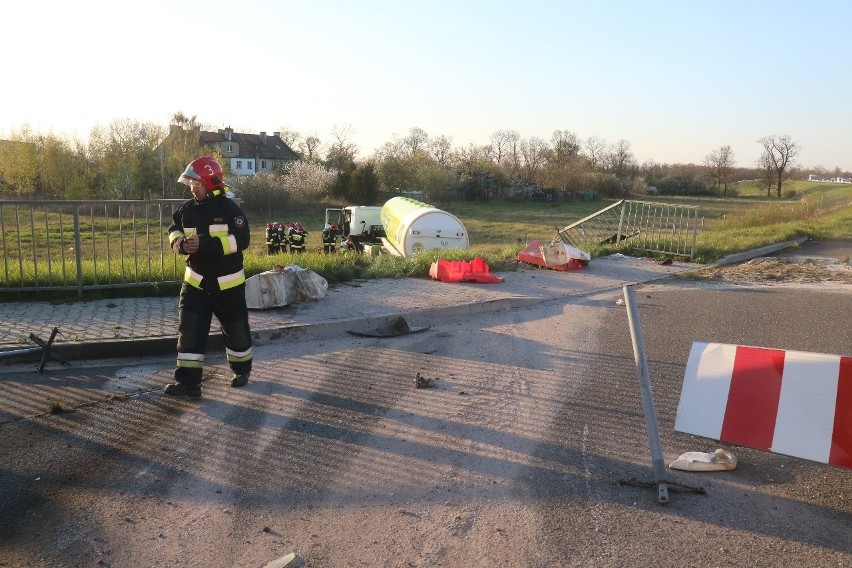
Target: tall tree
779,154
595,149
561,168
720,167
501,140
309,148
342,151
619,160
416,141
441,150
289,136
536,153
364,184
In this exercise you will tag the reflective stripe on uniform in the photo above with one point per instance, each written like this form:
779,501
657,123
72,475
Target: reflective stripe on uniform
190,360
231,280
229,242
232,245
239,356
175,235
192,278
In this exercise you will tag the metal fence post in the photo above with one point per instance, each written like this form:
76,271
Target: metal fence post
78,252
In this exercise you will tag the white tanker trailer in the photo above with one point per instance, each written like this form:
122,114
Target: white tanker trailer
412,226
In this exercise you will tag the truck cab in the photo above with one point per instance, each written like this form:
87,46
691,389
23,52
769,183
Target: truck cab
357,225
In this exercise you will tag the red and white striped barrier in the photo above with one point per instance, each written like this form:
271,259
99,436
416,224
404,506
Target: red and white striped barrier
789,402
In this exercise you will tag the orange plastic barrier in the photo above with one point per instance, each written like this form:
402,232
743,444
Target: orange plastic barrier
461,271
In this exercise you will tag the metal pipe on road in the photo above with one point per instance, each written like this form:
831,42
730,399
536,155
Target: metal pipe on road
647,396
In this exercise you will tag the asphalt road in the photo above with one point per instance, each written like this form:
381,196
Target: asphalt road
513,457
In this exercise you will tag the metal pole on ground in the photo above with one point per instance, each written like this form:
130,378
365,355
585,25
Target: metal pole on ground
647,397
661,482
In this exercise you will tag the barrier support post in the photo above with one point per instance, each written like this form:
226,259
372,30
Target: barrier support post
660,479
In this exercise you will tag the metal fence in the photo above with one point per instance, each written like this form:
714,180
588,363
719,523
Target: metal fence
648,226
86,245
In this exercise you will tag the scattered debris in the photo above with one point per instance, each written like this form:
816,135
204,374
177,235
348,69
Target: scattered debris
393,328
556,256
421,382
283,286
720,460
291,560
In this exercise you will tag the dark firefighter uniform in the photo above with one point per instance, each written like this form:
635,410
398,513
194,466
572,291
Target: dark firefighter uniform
297,241
213,284
273,241
329,240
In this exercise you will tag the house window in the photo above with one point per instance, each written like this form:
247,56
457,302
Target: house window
230,148
249,165
239,164
263,164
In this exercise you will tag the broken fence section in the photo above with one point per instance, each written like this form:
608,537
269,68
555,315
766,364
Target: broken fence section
663,228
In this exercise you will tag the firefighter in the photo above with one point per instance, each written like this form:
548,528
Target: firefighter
329,240
273,242
297,239
281,232
212,231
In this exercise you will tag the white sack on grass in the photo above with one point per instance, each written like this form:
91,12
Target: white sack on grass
274,289
557,254
720,460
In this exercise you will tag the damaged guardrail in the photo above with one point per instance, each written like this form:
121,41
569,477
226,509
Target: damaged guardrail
663,228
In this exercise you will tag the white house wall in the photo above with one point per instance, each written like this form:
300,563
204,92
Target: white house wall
240,166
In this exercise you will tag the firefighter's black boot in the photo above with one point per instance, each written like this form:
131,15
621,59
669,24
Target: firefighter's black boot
240,380
181,389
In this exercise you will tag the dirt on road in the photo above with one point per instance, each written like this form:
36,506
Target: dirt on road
511,457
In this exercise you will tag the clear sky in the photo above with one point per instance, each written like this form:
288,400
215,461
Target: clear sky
676,79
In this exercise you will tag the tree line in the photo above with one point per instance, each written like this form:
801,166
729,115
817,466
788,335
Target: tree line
128,160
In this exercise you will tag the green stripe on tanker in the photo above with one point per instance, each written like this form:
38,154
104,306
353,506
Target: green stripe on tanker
412,226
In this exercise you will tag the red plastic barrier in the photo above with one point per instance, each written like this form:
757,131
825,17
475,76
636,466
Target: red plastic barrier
476,270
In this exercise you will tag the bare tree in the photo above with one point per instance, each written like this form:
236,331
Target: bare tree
289,136
777,160
500,142
441,149
416,140
562,168
720,166
595,148
342,151
619,160
535,153
310,148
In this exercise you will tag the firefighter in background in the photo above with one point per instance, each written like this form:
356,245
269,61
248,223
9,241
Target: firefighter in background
329,239
298,236
281,231
273,240
212,231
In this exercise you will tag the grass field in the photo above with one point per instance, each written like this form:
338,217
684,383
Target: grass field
497,230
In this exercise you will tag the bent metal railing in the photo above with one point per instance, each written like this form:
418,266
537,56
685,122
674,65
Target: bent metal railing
662,228
86,245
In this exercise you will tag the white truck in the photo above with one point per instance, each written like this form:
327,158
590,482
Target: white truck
357,226
402,227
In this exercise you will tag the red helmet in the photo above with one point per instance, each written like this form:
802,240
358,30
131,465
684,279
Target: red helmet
206,170
334,226
269,225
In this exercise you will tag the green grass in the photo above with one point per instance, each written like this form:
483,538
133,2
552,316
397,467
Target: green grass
497,231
